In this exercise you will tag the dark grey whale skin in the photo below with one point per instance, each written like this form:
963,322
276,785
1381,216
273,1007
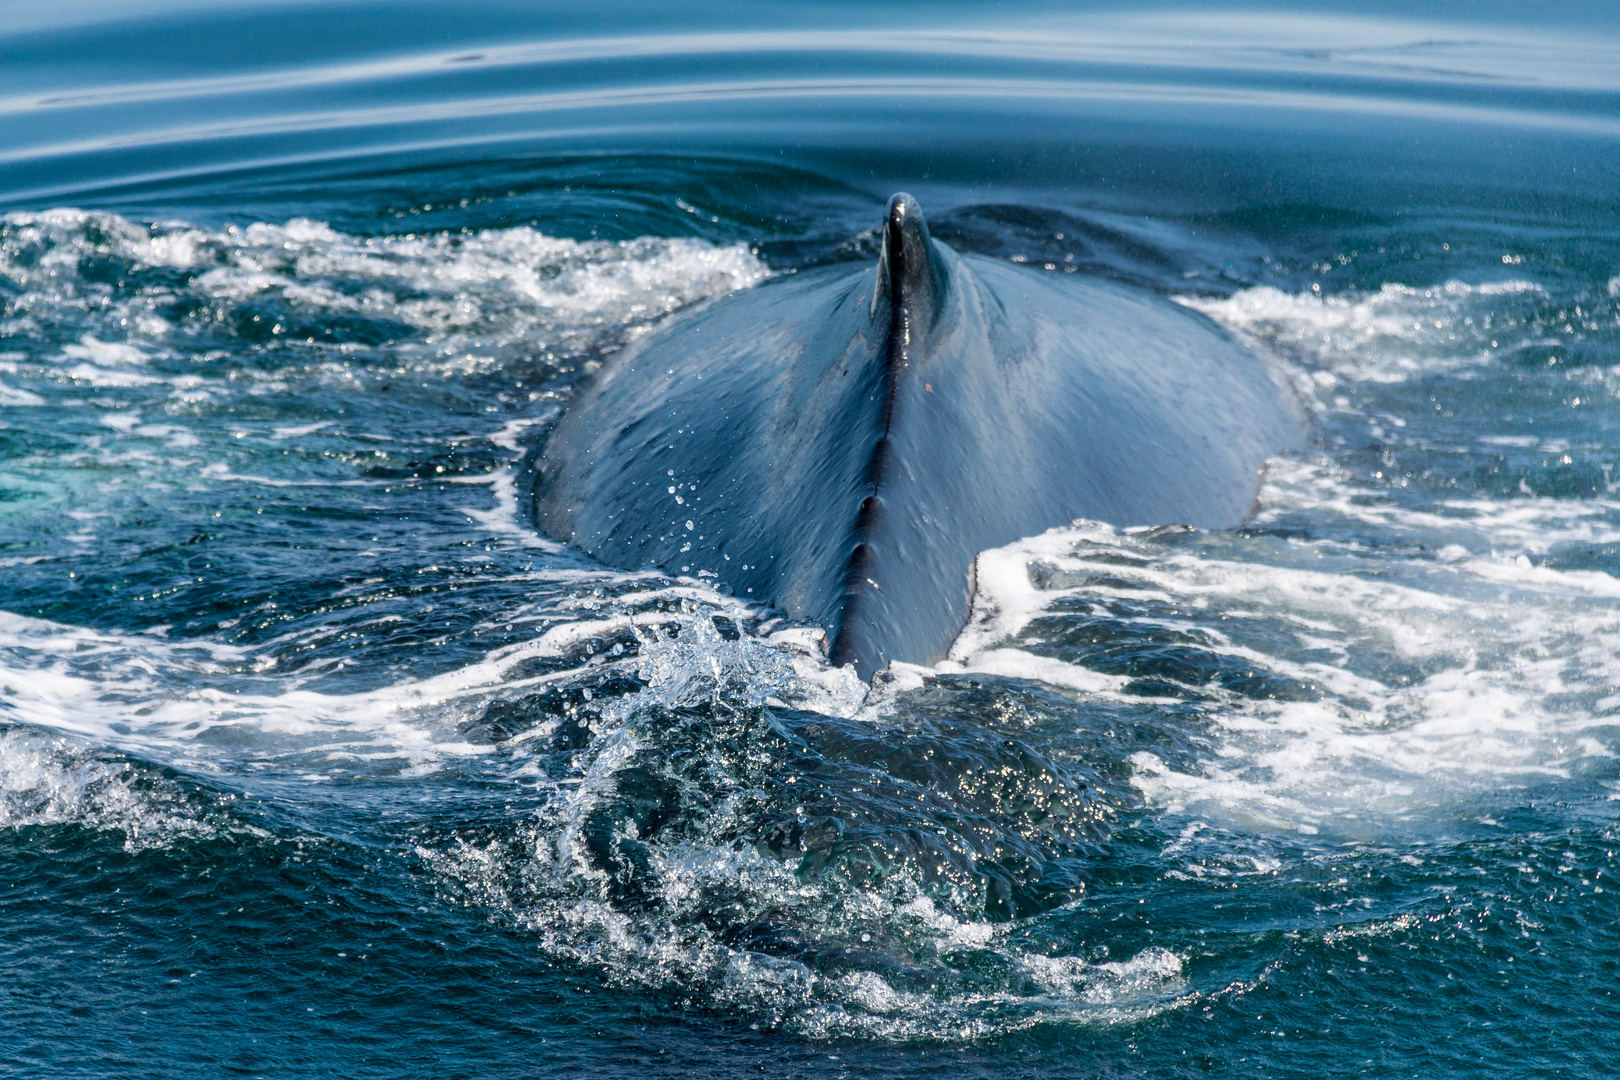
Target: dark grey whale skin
842,444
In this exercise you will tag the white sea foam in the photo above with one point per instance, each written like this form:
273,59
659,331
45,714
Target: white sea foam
13,396
466,295
1498,676
1386,336
141,692
1508,527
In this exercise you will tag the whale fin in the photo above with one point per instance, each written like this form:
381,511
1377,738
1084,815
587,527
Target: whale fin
911,276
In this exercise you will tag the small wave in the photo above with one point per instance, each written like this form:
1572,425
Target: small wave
712,843
49,780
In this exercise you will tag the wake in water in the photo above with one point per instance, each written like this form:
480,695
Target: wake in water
257,592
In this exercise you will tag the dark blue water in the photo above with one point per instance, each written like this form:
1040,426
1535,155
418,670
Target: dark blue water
315,760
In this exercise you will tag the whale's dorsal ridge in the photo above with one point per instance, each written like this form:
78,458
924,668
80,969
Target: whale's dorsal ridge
911,275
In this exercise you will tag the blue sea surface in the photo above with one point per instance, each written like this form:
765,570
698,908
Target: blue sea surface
316,759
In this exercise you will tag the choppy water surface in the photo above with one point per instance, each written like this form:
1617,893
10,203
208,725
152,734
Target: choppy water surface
316,760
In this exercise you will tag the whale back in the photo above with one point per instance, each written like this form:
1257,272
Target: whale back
842,444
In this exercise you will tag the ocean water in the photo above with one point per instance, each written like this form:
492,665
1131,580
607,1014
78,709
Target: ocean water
316,760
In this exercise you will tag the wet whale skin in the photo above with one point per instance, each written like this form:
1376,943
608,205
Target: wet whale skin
842,444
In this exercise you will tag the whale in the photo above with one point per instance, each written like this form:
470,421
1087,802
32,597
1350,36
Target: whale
839,444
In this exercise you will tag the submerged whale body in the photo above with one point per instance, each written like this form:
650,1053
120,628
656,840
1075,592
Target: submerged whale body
842,444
